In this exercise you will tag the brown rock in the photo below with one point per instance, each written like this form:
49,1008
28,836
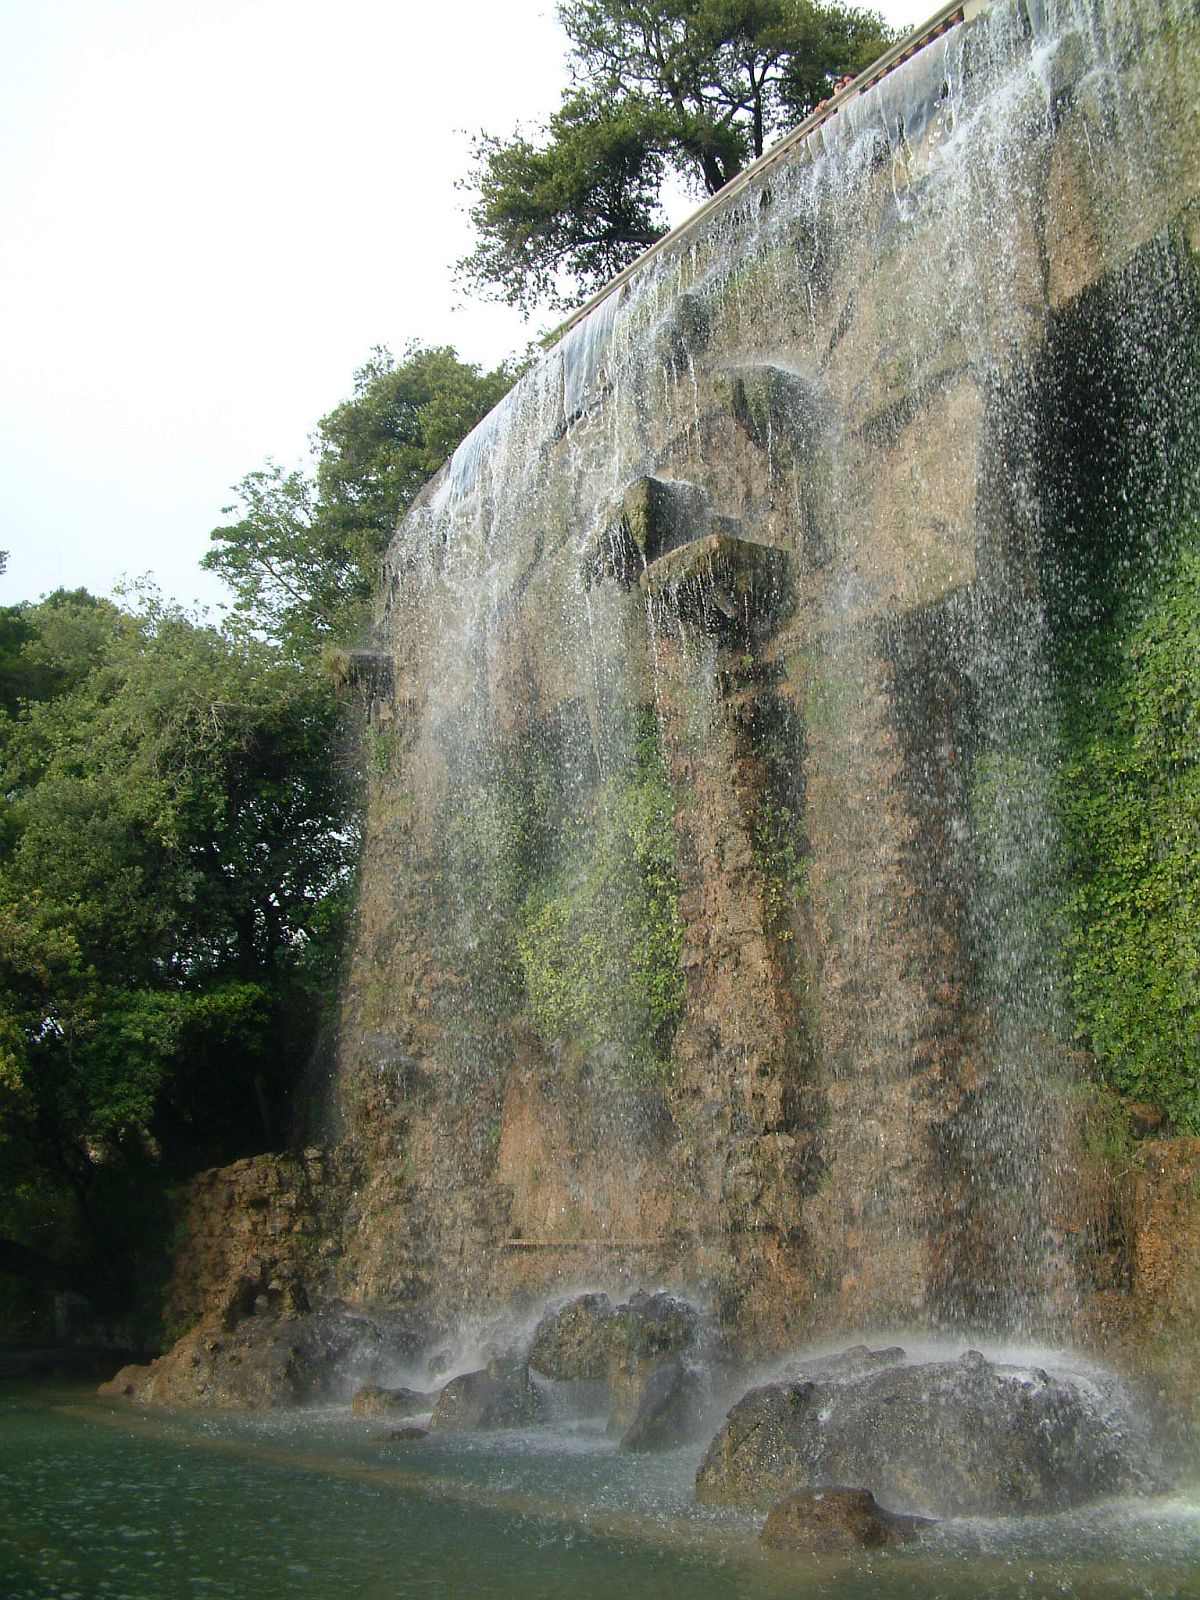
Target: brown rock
373,1401
125,1385
502,1396
836,1519
576,1341
668,1413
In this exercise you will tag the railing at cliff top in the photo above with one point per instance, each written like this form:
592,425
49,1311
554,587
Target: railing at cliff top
948,17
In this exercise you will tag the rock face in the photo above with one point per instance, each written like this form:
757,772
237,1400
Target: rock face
501,1396
950,1438
373,1401
818,428
267,1360
694,942
835,1519
635,1352
265,1226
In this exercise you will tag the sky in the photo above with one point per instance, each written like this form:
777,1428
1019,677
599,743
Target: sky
210,212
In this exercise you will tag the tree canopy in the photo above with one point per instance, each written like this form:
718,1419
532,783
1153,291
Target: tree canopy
303,556
176,848
692,87
179,820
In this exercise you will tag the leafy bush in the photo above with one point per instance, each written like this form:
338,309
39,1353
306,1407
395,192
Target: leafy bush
1131,810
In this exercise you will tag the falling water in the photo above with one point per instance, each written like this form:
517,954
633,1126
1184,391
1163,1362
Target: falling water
708,930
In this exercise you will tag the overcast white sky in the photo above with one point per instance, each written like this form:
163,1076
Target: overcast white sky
210,211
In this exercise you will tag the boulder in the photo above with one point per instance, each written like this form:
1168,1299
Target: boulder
945,1438
613,1350
649,1329
409,1434
836,1519
576,1341
374,1401
125,1384
263,1361
502,1395
668,1412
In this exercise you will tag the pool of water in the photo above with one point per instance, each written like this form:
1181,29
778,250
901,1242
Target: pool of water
99,1501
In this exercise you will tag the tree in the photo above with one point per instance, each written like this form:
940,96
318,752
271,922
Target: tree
176,853
693,87
303,557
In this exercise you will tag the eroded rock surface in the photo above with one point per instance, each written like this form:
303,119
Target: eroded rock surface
267,1360
502,1395
372,1400
944,1438
836,1519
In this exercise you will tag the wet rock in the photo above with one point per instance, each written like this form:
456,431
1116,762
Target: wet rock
264,1361
720,582
576,1341
125,1384
590,1339
654,516
948,1438
410,1434
374,1401
502,1395
776,408
837,1519
668,1412
611,1352
649,1329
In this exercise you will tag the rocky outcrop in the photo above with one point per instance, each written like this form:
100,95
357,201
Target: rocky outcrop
951,1438
636,1351
503,1395
268,1361
266,1226
835,1519
374,1402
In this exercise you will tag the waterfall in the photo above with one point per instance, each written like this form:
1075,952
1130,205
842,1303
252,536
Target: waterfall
711,874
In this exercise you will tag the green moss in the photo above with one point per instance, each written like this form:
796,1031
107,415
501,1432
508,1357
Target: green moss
1131,815
1107,1135
599,938
381,747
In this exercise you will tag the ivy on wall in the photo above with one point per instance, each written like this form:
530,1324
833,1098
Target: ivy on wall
1131,819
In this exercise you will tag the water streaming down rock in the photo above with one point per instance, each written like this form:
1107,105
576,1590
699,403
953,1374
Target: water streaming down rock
704,931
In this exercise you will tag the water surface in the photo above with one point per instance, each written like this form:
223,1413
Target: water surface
101,1502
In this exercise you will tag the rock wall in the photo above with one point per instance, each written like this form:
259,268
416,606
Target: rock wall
699,938
774,512
265,1226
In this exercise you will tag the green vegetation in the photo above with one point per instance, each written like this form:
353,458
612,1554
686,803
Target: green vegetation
692,87
303,557
178,834
175,857
1131,808
599,939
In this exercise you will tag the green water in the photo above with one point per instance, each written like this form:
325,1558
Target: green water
100,1502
